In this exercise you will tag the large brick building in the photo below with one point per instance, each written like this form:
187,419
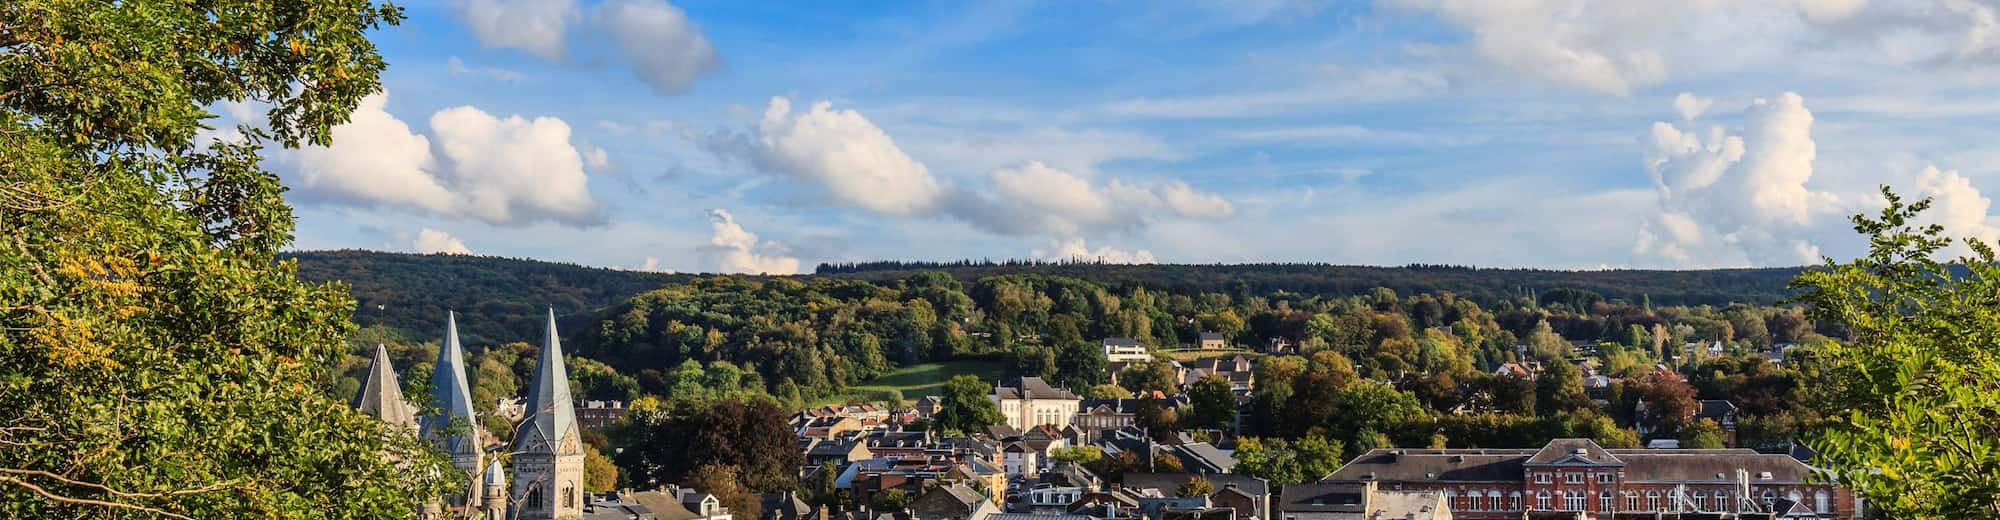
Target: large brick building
1578,475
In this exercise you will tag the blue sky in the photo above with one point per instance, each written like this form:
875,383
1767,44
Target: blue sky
768,137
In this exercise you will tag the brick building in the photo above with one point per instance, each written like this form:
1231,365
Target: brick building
1578,475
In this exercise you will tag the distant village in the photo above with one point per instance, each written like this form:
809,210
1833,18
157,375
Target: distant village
887,464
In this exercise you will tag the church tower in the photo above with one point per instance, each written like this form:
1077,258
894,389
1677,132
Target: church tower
453,426
496,493
382,394
548,450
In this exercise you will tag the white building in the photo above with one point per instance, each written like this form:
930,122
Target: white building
1032,402
1124,349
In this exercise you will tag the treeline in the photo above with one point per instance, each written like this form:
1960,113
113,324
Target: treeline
500,300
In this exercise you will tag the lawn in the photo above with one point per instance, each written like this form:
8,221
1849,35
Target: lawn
916,381
1185,355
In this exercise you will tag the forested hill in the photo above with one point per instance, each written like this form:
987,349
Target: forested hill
499,300
1484,285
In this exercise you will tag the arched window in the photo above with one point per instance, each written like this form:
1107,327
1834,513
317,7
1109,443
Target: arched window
1472,499
1451,497
1574,501
1700,499
1493,500
1721,502
1631,501
569,495
534,498
1795,497
1653,501
1514,501
1542,500
1605,503
1821,504
1770,497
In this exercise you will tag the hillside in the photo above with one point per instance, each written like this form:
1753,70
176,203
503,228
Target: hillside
501,298
498,299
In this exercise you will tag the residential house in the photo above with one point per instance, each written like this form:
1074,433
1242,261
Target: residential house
1248,496
598,415
1124,350
1214,340
1359,501
952,502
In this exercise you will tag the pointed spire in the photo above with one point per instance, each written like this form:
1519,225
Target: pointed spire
495,478
382,394
452,397
551,412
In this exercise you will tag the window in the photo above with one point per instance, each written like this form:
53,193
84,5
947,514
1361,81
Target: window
1795,497
1631,501
1514,501
1653,501
1722,502
1541,478
534,498
1573,478
1472,500
1573,501
569,495
1604,502
1542,500
1820,504
1493,500
1770,497
1606,478
1699,498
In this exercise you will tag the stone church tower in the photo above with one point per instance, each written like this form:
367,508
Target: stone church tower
382,394
495,498
548,450
453,426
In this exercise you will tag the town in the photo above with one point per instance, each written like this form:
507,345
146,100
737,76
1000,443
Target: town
1028,450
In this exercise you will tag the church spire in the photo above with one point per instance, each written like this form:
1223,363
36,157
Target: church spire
453,399
551,413
382,394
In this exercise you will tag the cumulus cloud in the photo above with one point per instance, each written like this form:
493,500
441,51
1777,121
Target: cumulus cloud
1077,250
732,249
511,170
667,50
1736,198
1601,46
1690,106
431,241
856,162
1956,206
535,26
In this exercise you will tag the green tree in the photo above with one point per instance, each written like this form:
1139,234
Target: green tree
1914,398
1702,434
1083,455
1157,417
155,358
1213,402
966,407
890,500
1080,365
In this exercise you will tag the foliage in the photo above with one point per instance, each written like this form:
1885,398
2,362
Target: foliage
1285,463
749,435
1196,486
892,499
967,407
1914,399
599,473
155,360
726,483
1702,434
1084,455
1214,404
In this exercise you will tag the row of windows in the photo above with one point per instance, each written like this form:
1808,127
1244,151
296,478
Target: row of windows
1491,500
1575,478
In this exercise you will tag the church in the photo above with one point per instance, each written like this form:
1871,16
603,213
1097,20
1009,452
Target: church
546,457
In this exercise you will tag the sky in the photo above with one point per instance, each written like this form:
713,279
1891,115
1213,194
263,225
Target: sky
768,137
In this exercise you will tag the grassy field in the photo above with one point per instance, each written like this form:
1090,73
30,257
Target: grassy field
1185,355
917,380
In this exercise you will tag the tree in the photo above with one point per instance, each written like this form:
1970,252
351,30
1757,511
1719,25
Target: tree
157,359
1914,398
749,437
1669,401
1080,365
1545,344
1196,486
599,474
890,500
1214,403
1157,417
1082,455
1107,391
726,484
966,406
1702,434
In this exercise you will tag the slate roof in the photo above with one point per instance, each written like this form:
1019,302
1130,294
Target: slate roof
1168,482
453,397
1506,465
1573,451
1341,497
1704,465
1434,465
1122,406
1217,336
1032,388
1716,409
1121,342
551,413
381,393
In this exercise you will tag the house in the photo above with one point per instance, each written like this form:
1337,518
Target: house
1214,340
1516,370
1020,460
836,452
1359,501
1030,401
952,502
928,405
597,415
1248,496
1045,498
1097,415
1581,479
1124,349
786,505
1721,411
985,474
1278,345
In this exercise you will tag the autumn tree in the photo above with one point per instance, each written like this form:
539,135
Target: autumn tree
156,360
749,436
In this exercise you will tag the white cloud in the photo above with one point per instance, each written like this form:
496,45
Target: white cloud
1601,46
535,26
666,49
732,249
1076,249
1957,206
509,170
458,67
431,241
651,265
1690,106
856,162
1736,199
513,169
